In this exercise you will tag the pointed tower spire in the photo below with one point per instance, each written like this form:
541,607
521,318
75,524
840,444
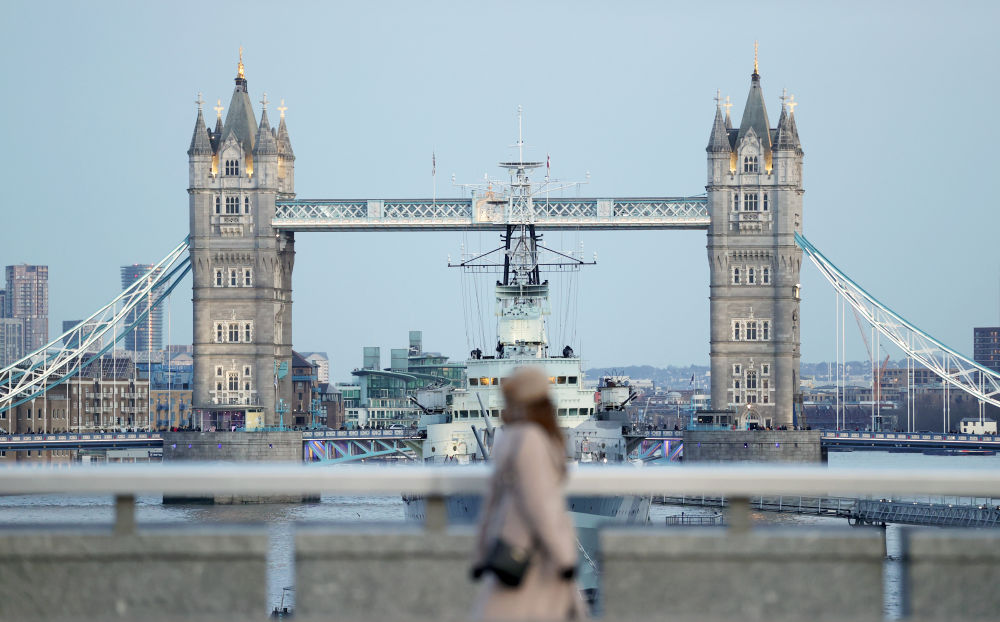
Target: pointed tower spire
284,143
201,144
240,120
719,140
755,113
264,143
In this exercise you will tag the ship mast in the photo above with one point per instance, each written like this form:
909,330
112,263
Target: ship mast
522,296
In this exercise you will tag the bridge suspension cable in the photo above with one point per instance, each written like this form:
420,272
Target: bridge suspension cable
953,368
64,356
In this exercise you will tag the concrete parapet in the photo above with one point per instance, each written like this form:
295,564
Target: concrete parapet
767,574
753,446
234,447
383,573
73,573
951,574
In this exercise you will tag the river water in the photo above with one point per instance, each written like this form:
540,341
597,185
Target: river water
280,519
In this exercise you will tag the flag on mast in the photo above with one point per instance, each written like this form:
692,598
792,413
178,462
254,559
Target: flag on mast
548,164
433,164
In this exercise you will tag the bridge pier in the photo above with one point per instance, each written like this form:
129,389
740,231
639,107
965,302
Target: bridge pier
753,446
272,446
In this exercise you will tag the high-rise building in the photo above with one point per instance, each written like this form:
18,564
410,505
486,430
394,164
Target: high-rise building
322,363
755,201
986,346
148,335
27,299
11,340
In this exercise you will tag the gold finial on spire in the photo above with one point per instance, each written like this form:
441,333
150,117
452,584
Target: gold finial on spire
239,68
755,57
263,100
728,105
199,101
282,108
218,109
792,104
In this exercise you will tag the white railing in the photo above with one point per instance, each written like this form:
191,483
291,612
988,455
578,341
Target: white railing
731,481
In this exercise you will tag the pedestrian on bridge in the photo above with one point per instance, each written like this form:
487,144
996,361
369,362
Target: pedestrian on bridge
526,549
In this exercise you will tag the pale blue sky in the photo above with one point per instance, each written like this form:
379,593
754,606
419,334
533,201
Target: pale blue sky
895,117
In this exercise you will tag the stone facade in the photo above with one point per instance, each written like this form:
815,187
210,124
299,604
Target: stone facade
753,446
241,266
755,199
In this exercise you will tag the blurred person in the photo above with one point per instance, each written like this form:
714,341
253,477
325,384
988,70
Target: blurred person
526,549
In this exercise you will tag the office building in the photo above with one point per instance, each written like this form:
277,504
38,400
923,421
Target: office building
148,335
986,346
27,299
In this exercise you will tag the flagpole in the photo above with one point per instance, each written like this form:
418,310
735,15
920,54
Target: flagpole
433,177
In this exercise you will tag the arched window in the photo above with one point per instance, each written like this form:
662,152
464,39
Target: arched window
232,167
750,164
736,384
736,331
218,386
247,277
247,332
736,276
232,205
767,203
219,336
751,276
218,204
766,329
246,205
218,277
751,331
736,201
766,276
246,370
751,380
234,333
233,279
750,201
234,381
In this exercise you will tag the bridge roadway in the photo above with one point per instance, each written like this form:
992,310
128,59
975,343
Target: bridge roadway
830,439
879,441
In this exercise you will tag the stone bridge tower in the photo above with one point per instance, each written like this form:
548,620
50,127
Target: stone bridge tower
241,266
755,201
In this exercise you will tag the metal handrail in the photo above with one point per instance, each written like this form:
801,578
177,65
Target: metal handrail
734,482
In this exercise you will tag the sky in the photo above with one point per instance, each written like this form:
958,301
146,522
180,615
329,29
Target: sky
894,113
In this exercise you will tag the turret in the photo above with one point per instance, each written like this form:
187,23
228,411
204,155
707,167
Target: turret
286,157
265,151
200,151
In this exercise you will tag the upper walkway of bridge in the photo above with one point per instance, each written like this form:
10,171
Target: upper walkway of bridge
481,213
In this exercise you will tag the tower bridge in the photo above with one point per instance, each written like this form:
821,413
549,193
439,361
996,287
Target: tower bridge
244,216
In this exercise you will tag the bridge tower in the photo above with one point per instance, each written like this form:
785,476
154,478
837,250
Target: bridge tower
241,266
755,202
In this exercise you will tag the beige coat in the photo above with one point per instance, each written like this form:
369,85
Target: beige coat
532,509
